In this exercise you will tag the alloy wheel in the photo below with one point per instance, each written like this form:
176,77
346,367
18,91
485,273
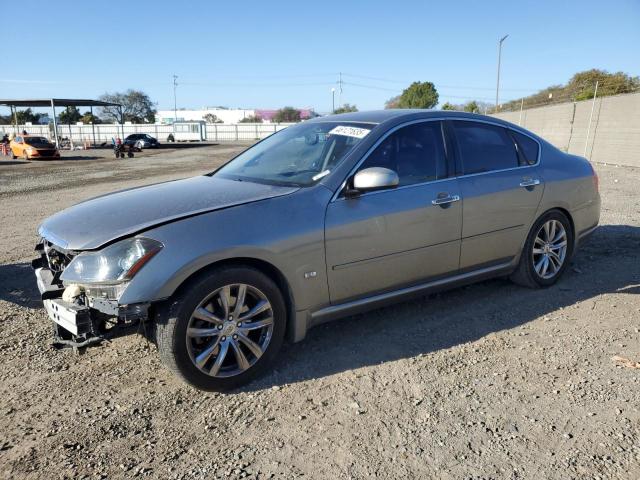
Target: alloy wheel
549,249
230,330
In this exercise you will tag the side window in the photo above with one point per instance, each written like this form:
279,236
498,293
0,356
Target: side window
416,153
527,148
18,139
484,147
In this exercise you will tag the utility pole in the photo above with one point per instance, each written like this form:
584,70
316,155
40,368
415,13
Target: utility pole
499,59
175,102
339,89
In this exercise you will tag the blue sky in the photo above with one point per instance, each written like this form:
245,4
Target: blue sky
266,54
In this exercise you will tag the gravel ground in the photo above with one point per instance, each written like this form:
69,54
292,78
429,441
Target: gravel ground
486,381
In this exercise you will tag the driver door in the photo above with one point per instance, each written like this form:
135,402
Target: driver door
385,240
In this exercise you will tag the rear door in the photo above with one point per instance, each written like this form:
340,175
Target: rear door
385,240
501,185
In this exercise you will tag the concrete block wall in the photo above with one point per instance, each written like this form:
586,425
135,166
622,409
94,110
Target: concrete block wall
614,135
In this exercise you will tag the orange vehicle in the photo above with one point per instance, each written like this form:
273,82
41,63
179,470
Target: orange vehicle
32,146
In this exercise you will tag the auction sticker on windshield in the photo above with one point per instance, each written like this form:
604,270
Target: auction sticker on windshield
349,131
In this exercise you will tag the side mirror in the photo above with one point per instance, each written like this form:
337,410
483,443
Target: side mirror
371,179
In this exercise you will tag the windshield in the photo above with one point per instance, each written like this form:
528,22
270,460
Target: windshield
298,155
37,141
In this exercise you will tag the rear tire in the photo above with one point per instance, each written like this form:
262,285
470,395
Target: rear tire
540,250
215,351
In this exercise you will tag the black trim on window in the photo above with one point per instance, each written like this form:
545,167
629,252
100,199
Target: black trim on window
455,162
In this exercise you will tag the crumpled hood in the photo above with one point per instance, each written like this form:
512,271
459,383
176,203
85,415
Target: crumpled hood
91,224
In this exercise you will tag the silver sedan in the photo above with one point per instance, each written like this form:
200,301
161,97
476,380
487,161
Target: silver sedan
324,219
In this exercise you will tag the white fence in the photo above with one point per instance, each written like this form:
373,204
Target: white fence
216,132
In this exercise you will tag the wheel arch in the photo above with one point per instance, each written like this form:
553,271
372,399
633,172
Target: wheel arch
566,213
263,266
547,210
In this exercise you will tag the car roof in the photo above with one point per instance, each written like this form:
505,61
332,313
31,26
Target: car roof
381,116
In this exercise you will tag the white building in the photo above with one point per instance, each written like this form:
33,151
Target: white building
226,115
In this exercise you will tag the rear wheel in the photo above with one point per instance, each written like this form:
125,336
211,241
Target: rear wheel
224,329
546,252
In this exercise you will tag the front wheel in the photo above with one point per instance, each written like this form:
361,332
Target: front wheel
546,252
224,329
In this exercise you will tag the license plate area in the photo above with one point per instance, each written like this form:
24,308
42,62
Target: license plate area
71,317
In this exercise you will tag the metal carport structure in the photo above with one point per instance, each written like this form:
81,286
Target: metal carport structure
60,102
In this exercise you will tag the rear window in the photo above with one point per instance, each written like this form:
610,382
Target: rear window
484,147
527,148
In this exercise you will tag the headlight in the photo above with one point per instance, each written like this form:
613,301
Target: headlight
29,150
115,264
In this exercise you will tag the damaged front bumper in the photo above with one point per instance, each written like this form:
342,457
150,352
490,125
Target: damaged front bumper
85,320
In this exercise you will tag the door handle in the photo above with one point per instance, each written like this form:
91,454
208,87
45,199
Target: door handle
529,182
446,200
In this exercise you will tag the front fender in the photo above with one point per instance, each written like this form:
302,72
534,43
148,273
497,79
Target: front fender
286,232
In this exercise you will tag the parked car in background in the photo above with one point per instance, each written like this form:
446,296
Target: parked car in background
141,141
31,146
324,219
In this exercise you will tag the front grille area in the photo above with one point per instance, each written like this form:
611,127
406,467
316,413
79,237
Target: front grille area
52,257
46,153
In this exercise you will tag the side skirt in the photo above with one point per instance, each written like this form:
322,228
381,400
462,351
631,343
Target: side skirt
377,301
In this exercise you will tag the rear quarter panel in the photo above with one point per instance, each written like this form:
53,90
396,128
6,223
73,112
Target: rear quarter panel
569,185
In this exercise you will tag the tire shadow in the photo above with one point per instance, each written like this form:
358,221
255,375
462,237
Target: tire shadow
607,262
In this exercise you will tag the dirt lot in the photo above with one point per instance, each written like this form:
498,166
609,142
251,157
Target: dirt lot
487,381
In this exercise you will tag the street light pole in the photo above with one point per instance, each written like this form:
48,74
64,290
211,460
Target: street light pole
499,59
333,100
175,103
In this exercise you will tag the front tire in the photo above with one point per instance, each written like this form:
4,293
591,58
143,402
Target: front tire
224,329
546,252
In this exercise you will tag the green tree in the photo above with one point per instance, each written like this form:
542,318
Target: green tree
287,115
137,107
419,95
211,118
471,107
346,108
449,106
583,84
251,119
70,115
580,86
392,102
27,115
89,118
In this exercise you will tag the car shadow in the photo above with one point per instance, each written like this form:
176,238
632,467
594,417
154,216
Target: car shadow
12,162
606,263
65,158
183,145
18,285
